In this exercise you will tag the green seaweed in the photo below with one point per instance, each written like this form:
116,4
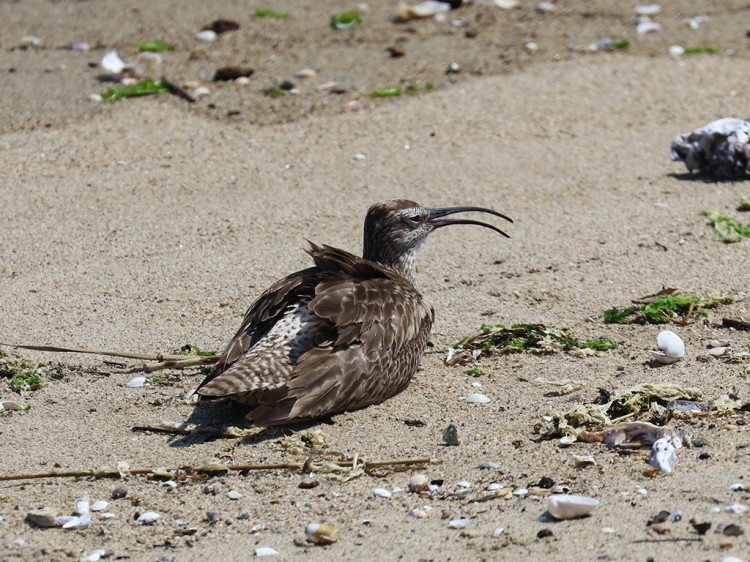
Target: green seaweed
620,44
274,92
725,229
536,338
153,46
664,309
386,92
744,204
702,49
473,372
270,14
24,381
145,87
347,19
189,348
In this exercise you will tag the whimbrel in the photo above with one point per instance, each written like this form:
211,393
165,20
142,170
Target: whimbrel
344,334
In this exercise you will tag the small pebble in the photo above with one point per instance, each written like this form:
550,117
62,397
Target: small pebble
450,435
80,47
676,50
120,492
305,73
546,8
641,491
453,68
233,495
148,518
489,465
44,517
359,156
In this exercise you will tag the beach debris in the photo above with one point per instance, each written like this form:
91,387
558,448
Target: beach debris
663,307
477,399
25,381
453,68
721,148
94,556
489,465
12,405
320,533
546,7
75,523
569,506
83,505
119,492
30,41
648,9
676,50
270,14
381,493
582,461
730,529
112,63
726,229
459,523
222,25
228,73
136,382
346,20
645,27
671,345
262,551
450,435
536,338
206,35
99,505
43,517
663,455
148,518
145,87
419,483
233,495
737,487
426,9
152,46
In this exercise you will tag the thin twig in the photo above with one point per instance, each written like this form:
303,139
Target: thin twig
207,469
58,349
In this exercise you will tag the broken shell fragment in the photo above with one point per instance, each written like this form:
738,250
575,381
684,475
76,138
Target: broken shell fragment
564,506
673,348
320,533
662,455
113,63
381,493
450,435
75,523
137,382
148,517
100,505
477,399
265,551
419,483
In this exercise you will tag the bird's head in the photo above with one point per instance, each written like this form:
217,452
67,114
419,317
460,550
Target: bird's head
395,230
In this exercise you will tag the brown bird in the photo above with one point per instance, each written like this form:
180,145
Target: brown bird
344,334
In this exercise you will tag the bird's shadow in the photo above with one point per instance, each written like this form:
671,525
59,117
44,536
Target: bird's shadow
702,177
209,415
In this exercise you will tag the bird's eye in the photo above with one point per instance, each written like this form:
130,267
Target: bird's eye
413,220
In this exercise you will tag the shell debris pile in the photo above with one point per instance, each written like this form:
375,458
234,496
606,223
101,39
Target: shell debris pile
720,149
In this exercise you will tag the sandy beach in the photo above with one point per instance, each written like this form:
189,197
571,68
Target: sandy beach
145,224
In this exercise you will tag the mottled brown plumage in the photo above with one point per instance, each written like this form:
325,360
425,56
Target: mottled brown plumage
344,334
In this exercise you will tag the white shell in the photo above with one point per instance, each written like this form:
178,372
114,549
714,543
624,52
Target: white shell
76,523
111,62
648,9
662,455
564,506
677,50
418,482
207,35
100,505
137,382
381,493
477,399
105,516
459,523
464,484
673,348
647,27
82,507
94,555
265,551
320,533
148,517
233,495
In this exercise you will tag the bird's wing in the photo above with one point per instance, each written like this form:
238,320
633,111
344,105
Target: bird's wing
373,321
259,319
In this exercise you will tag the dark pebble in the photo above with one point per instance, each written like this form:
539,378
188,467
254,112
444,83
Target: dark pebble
704,456
222,26
544,533
120,492
226,73
698,442
546,483
287,85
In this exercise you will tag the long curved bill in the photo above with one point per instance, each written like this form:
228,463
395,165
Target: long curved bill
435,219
